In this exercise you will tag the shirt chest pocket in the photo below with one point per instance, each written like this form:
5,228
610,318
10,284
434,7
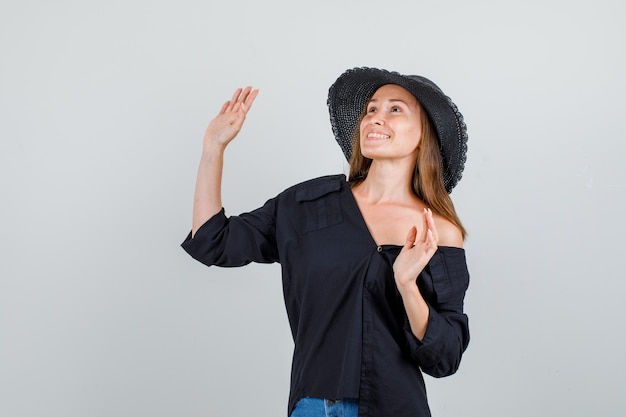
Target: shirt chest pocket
318,208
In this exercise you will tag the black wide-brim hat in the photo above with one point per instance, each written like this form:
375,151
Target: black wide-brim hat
348,96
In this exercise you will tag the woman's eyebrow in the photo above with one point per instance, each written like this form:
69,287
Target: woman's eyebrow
374,100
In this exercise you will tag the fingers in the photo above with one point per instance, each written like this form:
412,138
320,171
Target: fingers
424,229
430,239
236,95
230,105
429,230
431,226
225,107
249,99
242,99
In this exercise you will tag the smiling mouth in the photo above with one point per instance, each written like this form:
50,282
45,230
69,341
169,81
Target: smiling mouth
374,135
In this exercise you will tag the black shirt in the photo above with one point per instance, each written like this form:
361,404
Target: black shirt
352,337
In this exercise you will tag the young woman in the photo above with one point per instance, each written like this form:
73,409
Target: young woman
374,273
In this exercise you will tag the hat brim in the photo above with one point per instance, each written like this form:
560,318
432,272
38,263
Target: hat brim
348,96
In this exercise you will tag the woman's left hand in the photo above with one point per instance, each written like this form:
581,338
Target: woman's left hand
416,253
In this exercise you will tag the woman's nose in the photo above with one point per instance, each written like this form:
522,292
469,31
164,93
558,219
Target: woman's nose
378,120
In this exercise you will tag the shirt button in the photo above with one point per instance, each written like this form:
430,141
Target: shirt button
379,249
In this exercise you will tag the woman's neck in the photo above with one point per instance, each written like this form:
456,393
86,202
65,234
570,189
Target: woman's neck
386,182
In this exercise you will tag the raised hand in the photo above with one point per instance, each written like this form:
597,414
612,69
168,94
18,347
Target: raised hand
417,252
221,130
227,124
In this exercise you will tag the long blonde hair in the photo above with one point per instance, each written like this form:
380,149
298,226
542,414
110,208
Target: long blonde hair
427,183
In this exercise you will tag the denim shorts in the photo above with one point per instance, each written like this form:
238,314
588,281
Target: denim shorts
317,407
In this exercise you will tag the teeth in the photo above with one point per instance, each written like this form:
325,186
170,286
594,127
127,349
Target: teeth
377,135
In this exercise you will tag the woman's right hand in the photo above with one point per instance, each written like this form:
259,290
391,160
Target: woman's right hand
227,124
221,130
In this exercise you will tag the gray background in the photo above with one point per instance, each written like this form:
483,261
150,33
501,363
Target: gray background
103,106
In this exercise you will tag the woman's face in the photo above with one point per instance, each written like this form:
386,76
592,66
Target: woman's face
392,127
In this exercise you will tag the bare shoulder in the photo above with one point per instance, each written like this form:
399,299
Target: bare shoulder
449,234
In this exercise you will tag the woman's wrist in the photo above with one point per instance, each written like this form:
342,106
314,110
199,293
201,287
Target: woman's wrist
213,148
408,288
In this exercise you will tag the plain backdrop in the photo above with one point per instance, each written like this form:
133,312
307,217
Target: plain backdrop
102,110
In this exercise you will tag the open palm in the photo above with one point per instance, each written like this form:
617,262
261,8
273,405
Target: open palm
227,124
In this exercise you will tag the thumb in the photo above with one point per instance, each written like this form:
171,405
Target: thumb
410,238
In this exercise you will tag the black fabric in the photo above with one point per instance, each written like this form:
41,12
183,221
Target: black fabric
351,334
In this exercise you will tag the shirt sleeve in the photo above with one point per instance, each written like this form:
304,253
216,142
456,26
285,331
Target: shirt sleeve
236,240
443,284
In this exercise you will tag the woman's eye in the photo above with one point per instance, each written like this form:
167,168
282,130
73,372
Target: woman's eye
395,109
371,110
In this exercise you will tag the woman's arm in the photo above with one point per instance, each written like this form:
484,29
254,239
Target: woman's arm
438,328
219,133
415,255
413,258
